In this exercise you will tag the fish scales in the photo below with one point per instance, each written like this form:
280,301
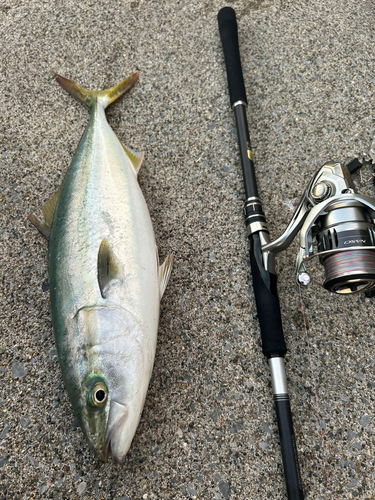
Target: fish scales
105,280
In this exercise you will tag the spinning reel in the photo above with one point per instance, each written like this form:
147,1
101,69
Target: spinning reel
337,225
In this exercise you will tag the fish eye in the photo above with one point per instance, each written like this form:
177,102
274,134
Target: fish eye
99,394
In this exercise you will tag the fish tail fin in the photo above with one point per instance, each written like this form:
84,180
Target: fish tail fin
90,97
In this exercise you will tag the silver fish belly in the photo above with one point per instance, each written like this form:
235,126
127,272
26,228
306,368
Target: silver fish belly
105,280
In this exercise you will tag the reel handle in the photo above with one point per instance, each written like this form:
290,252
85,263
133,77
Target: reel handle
229,38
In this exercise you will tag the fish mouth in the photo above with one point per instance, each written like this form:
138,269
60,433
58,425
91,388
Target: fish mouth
114,443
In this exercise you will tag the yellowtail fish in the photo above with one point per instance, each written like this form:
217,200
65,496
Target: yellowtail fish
105,279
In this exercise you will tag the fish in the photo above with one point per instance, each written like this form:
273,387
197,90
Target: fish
105,279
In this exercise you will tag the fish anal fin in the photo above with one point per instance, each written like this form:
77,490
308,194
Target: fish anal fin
136,159
42,228
108,269
164,274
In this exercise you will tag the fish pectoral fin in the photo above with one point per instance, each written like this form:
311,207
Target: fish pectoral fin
108,269
110,287
164,274
136,159
48,210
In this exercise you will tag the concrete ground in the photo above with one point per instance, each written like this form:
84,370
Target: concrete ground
208,428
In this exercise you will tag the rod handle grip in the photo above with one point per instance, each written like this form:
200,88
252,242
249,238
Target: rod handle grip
288,449
268,307
229,38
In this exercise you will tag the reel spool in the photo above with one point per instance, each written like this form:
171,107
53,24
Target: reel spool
350,272
347,270
337,225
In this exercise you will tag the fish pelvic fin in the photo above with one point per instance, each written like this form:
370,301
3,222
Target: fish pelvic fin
164,274
90,97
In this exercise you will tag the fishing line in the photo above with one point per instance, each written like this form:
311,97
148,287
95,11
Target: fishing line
326,465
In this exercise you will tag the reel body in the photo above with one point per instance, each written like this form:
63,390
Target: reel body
336,224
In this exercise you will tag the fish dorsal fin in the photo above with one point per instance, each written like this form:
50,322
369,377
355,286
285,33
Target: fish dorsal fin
164,274
136,159
108,269
48,210
39,225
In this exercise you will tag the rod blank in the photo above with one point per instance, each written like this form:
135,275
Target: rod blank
264,282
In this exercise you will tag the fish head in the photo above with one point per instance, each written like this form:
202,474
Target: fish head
110,415
114,387
95,412
128,393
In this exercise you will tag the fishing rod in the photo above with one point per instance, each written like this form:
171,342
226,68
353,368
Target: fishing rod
335,223
264,281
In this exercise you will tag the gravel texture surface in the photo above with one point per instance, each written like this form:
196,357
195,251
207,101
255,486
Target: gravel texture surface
208,429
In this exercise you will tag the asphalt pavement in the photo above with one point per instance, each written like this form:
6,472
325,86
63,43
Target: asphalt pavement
208,429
